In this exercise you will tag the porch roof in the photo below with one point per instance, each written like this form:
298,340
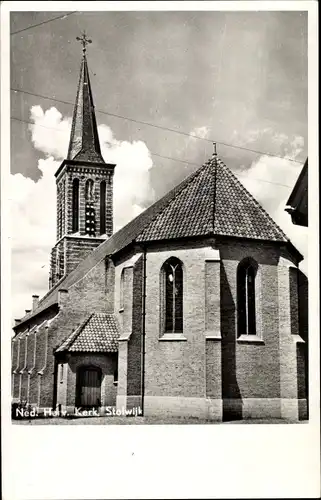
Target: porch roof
98,333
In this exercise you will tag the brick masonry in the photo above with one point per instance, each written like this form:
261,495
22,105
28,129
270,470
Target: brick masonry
70,250
236,373
207,371
75,306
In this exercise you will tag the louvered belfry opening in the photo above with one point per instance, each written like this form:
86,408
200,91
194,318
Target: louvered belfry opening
89,207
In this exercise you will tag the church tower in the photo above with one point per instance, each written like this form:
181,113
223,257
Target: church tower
84,186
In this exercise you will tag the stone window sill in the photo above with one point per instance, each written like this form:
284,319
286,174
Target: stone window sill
297,339
250,339
172,336
213,336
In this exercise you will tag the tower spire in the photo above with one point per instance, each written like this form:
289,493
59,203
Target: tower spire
84,142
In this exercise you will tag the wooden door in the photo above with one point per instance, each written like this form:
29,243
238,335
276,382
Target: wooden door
89,387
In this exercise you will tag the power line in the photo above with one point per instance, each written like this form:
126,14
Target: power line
160,156
162,127
44,22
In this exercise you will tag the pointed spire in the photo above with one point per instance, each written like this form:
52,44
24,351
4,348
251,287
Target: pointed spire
84,141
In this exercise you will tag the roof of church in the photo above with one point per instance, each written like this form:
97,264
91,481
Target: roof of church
99,333
213,201
84,142
209,202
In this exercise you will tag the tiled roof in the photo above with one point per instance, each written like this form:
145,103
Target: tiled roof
99,333
238,214
213,202
210,201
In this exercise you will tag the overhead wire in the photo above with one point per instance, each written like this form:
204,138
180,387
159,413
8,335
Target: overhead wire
43,22
262,153
171,158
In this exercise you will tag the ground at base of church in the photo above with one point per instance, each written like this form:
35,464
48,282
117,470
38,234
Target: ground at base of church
146,421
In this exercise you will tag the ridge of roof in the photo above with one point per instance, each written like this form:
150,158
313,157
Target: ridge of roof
181,190
253,200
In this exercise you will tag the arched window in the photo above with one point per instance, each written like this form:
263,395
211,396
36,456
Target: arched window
172,296
121,290
75,206
103,207
246,313
89,207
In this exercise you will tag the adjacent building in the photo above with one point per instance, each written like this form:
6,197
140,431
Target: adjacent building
297,204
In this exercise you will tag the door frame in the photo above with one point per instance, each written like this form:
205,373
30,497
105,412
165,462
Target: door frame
79,379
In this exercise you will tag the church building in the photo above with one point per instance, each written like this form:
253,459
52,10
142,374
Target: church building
195,308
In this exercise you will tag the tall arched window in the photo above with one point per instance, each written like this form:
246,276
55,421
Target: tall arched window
172,296
103,207
75,206
121,290
89,207
246,313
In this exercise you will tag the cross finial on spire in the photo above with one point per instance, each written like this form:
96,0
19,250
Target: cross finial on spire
214,149
84,41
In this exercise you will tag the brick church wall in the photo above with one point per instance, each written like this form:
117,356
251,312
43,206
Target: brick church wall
303,348
176,368
93,293
15,365
89,296
134,366
22,363
16,378
250,370
38,362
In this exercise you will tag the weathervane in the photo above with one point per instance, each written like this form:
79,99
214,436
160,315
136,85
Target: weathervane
214,149
84,41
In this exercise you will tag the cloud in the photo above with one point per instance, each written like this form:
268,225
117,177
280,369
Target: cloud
131,180
33,204
50,131
200,132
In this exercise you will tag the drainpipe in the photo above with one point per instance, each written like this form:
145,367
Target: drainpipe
143,330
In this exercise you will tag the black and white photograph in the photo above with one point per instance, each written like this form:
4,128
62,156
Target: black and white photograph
156,214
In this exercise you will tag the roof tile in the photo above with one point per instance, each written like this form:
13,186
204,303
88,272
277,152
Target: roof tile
99,333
